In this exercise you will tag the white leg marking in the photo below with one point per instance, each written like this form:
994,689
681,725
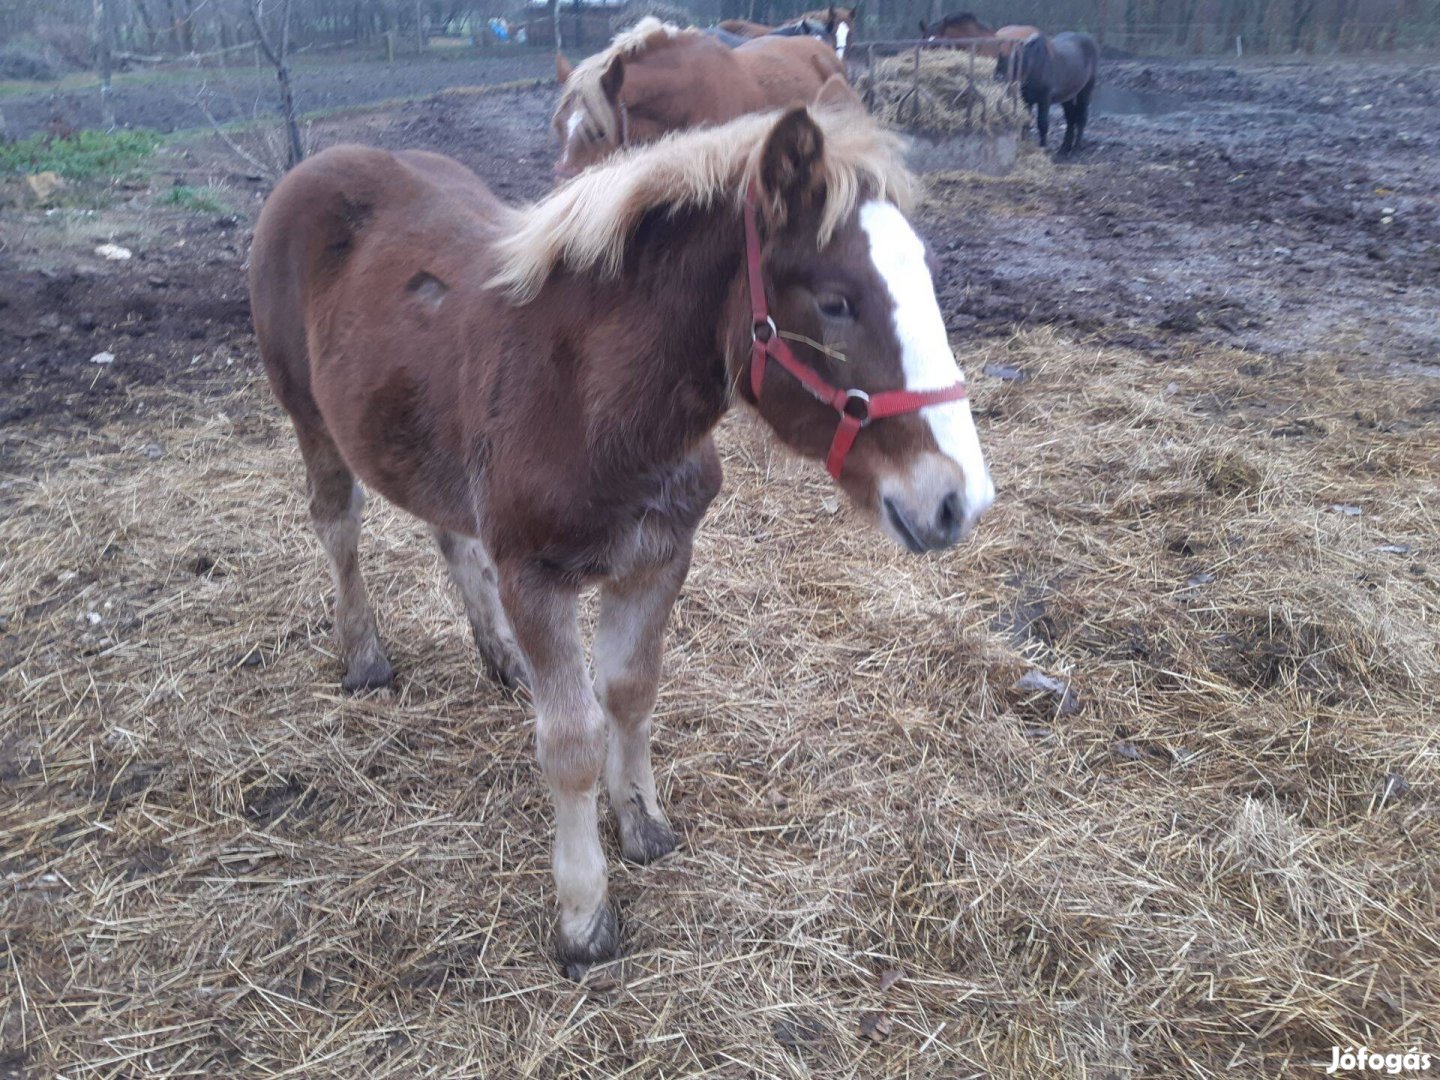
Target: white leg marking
899,259
579,860
570,737
628,645
360,649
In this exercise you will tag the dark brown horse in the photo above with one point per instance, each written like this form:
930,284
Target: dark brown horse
657,78
1056,71
964,26
540,385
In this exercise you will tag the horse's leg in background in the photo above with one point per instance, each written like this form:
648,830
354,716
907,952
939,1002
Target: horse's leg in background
570,743
1082,110
477,579
1042,116
1072,126
629,642
335,504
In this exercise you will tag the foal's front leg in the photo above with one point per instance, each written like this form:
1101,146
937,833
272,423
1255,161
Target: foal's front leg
629,641
570,743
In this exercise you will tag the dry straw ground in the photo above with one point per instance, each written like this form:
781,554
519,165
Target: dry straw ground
1222,862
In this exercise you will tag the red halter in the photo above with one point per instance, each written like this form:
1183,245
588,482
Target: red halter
856,407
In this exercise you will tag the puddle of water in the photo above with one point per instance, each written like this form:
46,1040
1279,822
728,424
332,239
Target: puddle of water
1118,101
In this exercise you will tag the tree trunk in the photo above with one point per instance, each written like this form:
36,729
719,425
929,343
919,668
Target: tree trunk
280,59
104,60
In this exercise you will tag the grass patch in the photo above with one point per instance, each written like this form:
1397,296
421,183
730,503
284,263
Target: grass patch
201,200
85,155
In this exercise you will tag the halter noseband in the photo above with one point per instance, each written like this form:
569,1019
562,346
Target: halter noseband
856,407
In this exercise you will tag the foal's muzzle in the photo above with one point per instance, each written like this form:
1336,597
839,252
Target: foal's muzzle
944,526
932,507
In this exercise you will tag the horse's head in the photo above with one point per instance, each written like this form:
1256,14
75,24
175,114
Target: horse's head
590,118
839,25
1025,59
957,26
848,288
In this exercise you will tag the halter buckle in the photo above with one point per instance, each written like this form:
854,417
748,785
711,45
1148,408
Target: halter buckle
768,326
857,406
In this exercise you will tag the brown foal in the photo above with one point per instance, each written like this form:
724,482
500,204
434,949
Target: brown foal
540,385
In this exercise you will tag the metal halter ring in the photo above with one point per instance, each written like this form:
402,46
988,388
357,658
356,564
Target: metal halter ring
854,396
771,331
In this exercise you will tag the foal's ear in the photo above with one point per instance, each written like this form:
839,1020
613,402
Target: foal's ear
790,162
563,68
613,79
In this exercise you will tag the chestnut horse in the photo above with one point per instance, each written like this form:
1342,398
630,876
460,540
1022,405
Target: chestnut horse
658,78
834,24
541,384
963,26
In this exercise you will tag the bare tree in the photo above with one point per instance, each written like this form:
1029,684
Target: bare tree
104,58
279,56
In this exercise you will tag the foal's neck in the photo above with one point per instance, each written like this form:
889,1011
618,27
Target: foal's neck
676,313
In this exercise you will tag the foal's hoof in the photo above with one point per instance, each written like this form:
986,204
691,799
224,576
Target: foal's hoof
593,943
502,661
507,670
373,674
643,839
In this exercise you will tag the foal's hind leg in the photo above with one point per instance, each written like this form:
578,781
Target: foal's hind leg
476,577
628,645
335,503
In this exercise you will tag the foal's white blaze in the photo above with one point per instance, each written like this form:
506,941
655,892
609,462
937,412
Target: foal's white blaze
899,258
842,35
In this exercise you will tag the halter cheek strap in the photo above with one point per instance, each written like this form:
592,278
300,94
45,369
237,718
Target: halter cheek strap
856,407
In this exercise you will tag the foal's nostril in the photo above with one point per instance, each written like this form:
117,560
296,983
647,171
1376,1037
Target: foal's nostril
950,519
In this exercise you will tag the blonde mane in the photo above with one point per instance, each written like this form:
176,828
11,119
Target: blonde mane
585,224
582,89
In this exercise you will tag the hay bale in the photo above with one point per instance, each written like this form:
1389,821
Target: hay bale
954,94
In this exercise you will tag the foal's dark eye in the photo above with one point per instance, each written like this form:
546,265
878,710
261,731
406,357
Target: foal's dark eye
835,307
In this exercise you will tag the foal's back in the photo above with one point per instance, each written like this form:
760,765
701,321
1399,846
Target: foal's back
361,264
